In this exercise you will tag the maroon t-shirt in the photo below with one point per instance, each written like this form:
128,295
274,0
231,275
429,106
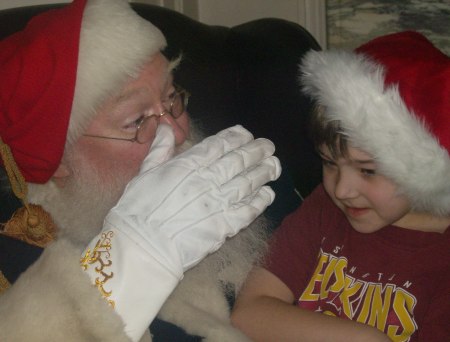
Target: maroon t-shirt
395,279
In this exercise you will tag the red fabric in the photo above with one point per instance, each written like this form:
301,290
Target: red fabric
38,72
383,268
423,75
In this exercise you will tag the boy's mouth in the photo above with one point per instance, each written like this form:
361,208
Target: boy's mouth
355,212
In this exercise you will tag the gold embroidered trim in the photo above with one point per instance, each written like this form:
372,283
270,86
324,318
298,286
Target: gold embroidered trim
4,283
100,258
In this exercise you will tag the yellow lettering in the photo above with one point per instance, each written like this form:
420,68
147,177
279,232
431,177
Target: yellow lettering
403,306
380,306
308,294
364,314
339,273
329,271
351,288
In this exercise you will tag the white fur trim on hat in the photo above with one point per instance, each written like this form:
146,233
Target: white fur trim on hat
115,42
376,120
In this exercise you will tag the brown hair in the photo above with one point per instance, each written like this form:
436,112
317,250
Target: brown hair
324,131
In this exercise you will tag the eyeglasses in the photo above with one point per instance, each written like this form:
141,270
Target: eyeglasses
146,125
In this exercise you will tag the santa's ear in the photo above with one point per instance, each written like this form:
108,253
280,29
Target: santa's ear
61,174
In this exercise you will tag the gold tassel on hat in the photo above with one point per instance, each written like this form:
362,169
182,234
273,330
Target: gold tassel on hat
31,223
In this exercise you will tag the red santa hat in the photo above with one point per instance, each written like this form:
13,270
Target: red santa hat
60,69
392,99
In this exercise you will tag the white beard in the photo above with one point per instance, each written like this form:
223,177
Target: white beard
78,209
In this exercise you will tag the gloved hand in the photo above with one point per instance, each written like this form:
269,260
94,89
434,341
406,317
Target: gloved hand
175,213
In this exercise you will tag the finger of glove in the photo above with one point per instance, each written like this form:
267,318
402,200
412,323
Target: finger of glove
241,215
250,181
216,146
161,150
238,161
207,236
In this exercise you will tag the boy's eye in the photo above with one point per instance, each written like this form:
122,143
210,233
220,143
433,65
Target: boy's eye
327,163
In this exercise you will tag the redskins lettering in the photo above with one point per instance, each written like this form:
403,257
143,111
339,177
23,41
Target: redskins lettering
334,292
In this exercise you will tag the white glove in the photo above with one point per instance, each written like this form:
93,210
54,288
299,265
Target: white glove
174,214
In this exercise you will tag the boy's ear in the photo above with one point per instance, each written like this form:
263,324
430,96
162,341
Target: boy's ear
61,174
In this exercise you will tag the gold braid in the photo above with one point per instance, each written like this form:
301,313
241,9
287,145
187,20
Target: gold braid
18,184
32,223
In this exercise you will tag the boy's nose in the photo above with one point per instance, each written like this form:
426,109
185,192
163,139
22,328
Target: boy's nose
345,187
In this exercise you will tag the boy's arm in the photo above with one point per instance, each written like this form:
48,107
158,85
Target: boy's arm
264,311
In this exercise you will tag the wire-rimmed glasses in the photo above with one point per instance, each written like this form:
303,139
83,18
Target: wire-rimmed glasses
146,126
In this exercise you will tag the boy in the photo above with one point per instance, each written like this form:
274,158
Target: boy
372,242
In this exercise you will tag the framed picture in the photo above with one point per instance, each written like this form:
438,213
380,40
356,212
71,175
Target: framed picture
353,22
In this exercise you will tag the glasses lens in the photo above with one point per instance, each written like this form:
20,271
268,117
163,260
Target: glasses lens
147,130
